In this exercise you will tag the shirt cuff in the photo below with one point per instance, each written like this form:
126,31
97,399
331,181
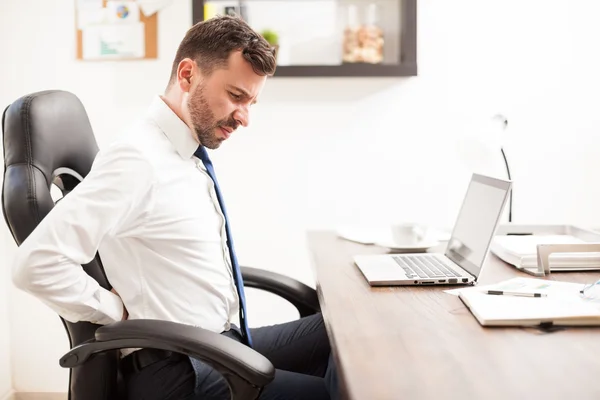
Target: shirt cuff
110,309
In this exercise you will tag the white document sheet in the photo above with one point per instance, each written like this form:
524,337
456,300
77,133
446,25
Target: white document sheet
114,41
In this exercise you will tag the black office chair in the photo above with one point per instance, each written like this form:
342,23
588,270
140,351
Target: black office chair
48,140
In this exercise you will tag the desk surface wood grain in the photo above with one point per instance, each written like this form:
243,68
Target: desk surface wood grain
422,343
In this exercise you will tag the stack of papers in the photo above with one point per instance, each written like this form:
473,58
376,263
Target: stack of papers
561,303
521,251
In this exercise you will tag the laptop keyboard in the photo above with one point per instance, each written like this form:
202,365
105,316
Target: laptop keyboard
427,266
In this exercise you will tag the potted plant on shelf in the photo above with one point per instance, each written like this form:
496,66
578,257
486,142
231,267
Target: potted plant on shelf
272,37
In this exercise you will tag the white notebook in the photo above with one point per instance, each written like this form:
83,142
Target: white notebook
562,304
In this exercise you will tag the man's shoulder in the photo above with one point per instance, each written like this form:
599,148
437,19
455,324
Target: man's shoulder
143,141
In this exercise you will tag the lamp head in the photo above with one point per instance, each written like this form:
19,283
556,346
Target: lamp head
499,124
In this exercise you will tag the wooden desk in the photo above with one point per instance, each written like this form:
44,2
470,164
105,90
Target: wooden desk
421,343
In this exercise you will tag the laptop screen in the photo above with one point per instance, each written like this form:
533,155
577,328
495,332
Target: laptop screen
477,221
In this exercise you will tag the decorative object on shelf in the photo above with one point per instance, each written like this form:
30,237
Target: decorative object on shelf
210,10
273,38
237,11
362,43
350,52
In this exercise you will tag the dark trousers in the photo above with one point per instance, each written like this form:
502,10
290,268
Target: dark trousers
299,351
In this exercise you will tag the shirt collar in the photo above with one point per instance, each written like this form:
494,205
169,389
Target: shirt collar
173,127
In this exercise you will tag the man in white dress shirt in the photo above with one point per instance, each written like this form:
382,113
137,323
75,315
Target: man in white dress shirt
150,209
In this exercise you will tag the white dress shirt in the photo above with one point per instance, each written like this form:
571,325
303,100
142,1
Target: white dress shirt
150,209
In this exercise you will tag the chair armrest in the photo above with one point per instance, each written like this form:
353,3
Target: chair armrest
232,359
544,251
303,297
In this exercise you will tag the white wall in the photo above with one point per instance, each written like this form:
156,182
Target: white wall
325,152
5,367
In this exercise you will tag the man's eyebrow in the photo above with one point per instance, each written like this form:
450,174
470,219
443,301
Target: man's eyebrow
244,93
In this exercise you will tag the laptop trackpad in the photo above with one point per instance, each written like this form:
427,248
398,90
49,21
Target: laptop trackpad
382,269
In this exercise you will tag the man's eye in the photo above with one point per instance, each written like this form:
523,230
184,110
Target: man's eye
235,96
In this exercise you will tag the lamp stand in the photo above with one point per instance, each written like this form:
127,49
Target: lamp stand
510,198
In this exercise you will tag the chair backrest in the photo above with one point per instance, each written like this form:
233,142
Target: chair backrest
48,140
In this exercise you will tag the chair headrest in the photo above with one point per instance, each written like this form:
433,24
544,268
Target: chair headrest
50,131
47,139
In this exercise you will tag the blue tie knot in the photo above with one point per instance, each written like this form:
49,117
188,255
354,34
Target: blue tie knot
202,154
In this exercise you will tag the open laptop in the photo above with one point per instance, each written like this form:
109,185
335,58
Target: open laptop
465,253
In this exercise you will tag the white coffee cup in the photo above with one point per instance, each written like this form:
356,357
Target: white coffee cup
407,234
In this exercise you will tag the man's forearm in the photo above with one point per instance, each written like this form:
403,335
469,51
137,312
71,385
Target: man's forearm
66,288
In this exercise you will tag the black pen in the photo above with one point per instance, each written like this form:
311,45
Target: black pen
522,294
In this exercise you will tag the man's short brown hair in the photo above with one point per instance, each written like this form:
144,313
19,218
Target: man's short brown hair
209,43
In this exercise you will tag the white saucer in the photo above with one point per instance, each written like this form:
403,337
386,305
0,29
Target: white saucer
364,235
375,235
416,248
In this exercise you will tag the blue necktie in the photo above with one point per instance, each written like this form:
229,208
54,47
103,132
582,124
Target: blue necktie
237,274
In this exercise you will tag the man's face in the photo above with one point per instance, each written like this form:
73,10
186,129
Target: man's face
219,103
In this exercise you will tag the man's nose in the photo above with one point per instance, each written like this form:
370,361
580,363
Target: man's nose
242,117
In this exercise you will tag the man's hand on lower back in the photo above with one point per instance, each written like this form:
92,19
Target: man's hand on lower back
125,313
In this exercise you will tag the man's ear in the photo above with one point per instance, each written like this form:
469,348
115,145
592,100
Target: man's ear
185,74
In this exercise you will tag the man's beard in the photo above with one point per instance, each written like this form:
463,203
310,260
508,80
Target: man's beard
204,120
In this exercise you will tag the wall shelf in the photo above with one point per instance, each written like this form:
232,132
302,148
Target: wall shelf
406,53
